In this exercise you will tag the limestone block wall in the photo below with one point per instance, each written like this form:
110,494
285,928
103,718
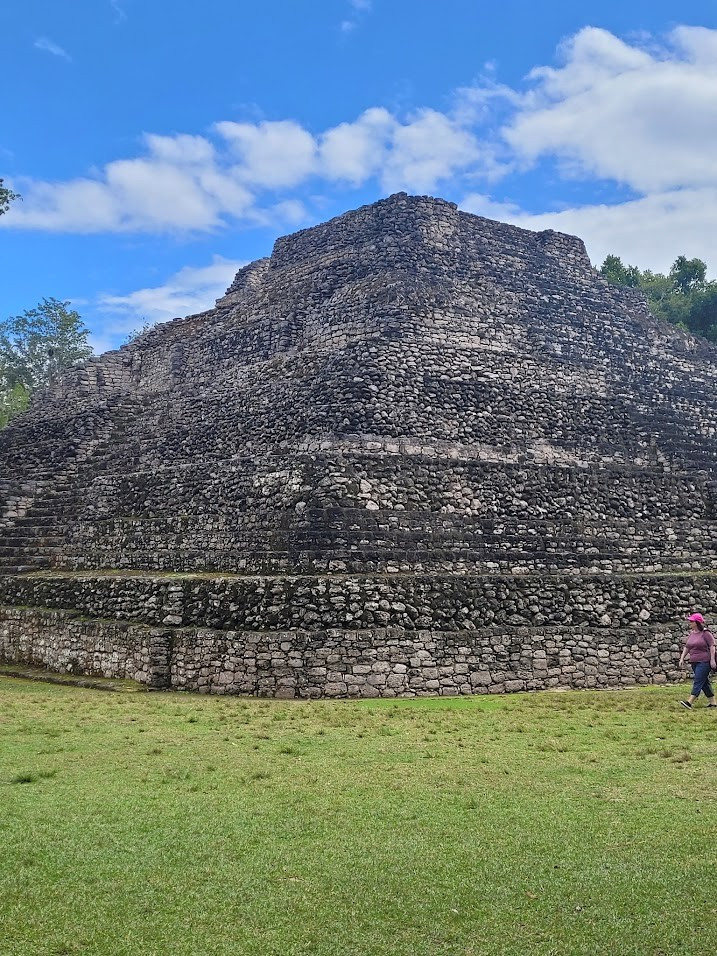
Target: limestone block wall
67,643
365,511
372,662
414,601
386,663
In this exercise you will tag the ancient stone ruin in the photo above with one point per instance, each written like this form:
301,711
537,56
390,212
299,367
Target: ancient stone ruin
413,452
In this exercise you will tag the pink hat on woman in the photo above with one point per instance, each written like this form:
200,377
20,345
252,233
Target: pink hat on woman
696,617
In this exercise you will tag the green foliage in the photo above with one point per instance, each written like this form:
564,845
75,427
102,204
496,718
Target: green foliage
13,401
687,275
34,348
37,345
615,272
684,297
6,197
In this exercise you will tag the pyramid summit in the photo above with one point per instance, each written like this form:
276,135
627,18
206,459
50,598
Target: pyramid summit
414,451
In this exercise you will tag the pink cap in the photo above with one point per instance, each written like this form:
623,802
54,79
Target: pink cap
696,617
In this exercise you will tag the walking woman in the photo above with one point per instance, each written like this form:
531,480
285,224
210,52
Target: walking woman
700,649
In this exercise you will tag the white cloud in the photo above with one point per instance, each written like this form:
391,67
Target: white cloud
227,195
154,191
615,111
640,114
591,57
187,183
649,232
49,46
699,43
184,150
482,205
180,185
271,154
135,195
430,148
78,205
356,151
290,211
191,290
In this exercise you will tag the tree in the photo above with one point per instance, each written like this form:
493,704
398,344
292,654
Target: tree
6,197
703,313
617,273
684,297
687,275
37,345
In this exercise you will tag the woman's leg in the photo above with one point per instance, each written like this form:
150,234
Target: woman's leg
691,699
701,678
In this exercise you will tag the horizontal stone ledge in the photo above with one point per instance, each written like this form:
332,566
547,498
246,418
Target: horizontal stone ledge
448,602
507,636
570,576
511,459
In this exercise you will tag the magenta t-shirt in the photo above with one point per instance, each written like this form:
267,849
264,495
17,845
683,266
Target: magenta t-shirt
698,646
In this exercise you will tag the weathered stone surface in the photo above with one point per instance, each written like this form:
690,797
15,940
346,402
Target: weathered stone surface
415,451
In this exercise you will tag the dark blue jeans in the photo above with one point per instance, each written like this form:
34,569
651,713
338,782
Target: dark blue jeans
702,680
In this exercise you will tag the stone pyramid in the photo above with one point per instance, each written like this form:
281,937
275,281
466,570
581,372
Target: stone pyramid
415,451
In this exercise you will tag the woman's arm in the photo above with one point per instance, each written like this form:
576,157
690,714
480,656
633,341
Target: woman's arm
711,647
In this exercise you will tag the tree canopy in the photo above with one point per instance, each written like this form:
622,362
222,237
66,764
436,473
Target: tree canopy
683,297
34,348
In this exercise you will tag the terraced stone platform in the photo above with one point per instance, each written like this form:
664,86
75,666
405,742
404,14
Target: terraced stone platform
414,451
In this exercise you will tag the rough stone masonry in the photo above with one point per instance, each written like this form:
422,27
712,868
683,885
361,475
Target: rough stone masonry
413,452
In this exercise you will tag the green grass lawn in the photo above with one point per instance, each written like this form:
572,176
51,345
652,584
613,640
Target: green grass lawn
170,825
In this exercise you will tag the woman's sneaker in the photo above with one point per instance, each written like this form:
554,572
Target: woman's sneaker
687,704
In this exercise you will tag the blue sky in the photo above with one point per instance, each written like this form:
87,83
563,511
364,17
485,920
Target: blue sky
158,146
